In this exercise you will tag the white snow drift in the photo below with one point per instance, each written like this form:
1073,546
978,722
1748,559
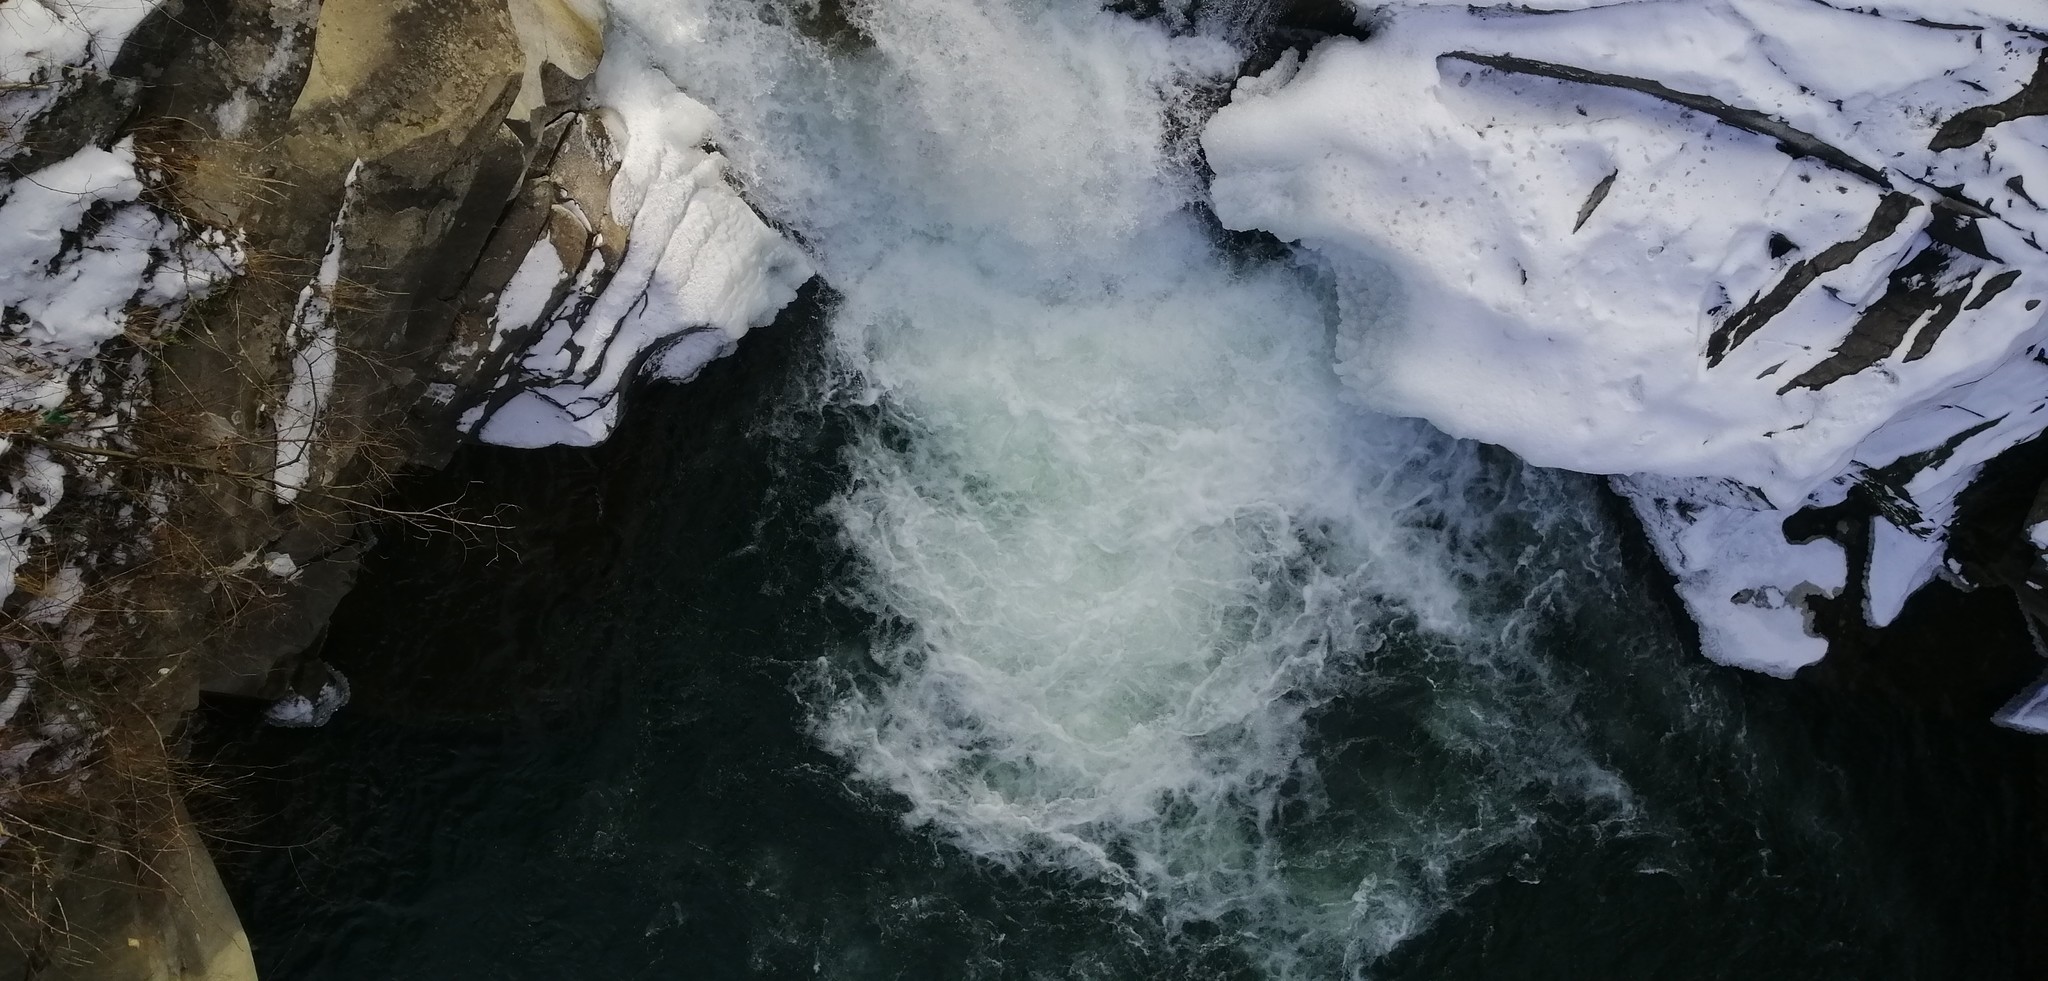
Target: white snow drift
1752,255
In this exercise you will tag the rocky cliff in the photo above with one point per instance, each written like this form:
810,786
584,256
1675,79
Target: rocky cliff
267,253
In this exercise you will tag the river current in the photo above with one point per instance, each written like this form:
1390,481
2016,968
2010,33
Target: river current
1033,601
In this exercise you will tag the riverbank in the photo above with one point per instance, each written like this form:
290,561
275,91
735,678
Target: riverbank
212,469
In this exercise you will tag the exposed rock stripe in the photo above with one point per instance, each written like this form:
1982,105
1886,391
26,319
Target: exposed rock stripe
1791,139
1593,200
1922,287
1890,213
1992,287
1967,127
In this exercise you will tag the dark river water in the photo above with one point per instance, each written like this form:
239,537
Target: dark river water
590,749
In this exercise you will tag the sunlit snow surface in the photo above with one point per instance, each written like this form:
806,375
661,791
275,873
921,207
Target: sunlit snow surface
1125,530
1578,262
700,270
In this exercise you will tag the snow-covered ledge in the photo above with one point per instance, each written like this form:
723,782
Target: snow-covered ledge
696,271
1749,256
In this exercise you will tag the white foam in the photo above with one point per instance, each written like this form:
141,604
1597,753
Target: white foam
1133,531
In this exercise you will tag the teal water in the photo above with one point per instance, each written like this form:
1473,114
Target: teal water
592,751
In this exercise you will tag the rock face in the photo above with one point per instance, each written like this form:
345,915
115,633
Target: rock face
263,253
365,153
168,920
1753,257
85,252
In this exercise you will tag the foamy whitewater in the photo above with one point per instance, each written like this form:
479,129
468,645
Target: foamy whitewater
1128,537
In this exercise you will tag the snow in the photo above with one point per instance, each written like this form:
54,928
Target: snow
1548,232
27,495
49,49
280,565
80,249
312,353
1901,562
296,711
59,595
74,298
1737,575
231,117
700,270
2028,711
525,299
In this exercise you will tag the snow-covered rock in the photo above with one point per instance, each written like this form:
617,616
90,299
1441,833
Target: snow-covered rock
82,254
49,53
299,710
698,271
1748,255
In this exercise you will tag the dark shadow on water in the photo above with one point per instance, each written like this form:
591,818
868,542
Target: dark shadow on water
578,753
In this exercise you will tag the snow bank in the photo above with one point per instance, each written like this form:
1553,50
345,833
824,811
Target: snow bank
1761,253
700,269
312,353
50,50
80,251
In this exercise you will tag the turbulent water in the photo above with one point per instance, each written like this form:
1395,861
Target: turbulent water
1034,603
1128,535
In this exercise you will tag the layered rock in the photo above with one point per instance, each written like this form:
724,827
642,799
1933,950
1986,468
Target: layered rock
1752,257
410,217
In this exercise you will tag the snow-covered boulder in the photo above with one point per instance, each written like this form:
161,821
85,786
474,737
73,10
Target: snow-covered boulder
654,274
1749,256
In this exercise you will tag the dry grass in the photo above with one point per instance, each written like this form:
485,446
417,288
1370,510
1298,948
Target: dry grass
166,517
172,580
